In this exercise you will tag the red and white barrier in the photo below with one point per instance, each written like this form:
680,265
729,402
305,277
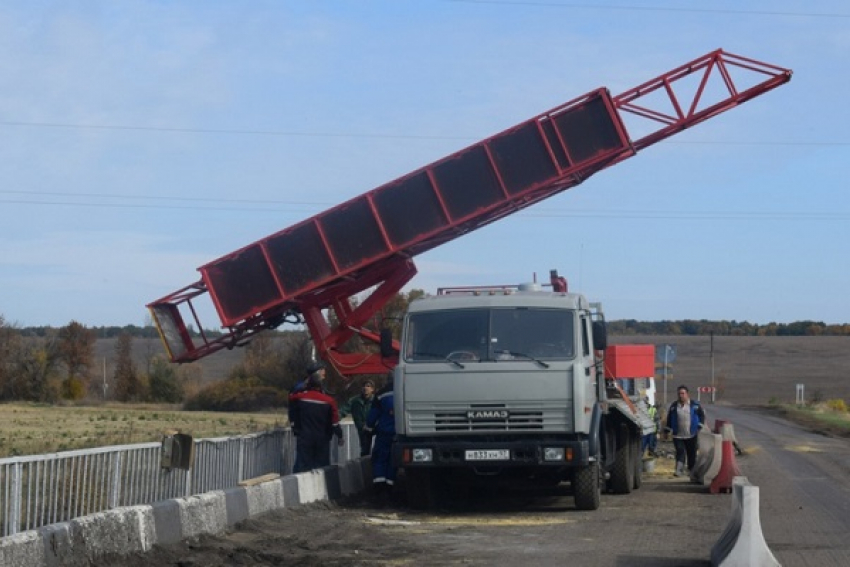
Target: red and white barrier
728,465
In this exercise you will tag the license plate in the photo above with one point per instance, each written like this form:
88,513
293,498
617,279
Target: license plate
489,455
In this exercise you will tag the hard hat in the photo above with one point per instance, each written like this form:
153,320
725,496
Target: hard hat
315,366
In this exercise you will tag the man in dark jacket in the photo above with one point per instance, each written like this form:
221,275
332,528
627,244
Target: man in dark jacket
381,422
358,408
317,368
315,420
684,419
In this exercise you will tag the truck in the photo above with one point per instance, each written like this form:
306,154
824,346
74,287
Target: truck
506,384
528,397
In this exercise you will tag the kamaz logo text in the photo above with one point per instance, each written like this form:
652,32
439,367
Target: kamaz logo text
488,414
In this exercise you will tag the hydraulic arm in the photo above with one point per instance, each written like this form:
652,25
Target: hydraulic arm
369,241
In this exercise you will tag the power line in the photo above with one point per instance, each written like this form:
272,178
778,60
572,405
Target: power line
284,133
137,206
556,213
163,198
367,135
621,7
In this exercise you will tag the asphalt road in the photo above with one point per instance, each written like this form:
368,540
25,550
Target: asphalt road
804,486
805,513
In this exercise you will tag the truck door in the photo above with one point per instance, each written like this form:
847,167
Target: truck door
588,360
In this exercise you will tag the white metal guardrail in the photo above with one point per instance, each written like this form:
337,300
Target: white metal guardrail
39,490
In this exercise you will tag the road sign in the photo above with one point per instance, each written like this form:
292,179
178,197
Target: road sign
665,353
706,389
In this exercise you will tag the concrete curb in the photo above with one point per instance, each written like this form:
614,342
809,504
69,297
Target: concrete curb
742,543
135,529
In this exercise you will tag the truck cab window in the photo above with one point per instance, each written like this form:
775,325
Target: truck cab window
433,336
538,333
490,334
585,336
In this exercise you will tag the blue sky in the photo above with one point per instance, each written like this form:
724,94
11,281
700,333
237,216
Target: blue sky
142,139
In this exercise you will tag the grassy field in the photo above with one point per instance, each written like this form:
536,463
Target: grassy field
30,429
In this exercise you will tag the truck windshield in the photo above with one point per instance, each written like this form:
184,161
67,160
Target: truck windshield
472,335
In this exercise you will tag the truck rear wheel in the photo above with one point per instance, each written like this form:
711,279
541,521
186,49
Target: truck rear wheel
586,490
623,473
419,489
637,456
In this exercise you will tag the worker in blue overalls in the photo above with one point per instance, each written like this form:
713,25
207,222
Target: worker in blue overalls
381,423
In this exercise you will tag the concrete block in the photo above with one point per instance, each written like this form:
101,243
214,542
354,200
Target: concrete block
349,477
332,482
236,504
366,471
22,550
709,455
120,531
203,514
265,497
291,495
713,469
311,486
166,519
57,544
742,543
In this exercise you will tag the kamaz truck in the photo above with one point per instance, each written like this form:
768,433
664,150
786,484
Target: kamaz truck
506,384
502,384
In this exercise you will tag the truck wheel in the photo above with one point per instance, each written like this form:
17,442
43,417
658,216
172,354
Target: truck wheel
637,455
623,473
419,489
586,490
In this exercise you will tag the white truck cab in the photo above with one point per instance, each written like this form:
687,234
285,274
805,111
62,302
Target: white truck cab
506,384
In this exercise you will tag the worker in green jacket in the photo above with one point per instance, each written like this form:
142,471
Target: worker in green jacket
358,408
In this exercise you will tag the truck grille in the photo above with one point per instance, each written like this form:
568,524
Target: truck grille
489,419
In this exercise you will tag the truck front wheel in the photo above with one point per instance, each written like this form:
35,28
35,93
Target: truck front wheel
586,490
419,489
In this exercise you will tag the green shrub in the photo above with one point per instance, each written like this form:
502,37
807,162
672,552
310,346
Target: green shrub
236,395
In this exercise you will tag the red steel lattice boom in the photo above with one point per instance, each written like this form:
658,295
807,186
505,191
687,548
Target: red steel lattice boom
369,241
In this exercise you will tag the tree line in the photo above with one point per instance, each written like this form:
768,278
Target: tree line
47,364
615,327
729,328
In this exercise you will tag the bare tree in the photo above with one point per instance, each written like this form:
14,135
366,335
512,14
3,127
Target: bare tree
35,370
76,351
128,385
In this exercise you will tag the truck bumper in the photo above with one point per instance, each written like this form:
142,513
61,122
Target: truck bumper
551,452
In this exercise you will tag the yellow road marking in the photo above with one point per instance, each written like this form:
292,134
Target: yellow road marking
803,449
394,520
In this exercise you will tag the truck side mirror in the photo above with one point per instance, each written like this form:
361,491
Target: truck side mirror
600,335
387,350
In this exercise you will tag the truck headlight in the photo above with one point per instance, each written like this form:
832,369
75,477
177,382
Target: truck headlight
422,455
553,454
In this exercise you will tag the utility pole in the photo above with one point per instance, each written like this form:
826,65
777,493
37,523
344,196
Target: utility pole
666,350
104,378
712,367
